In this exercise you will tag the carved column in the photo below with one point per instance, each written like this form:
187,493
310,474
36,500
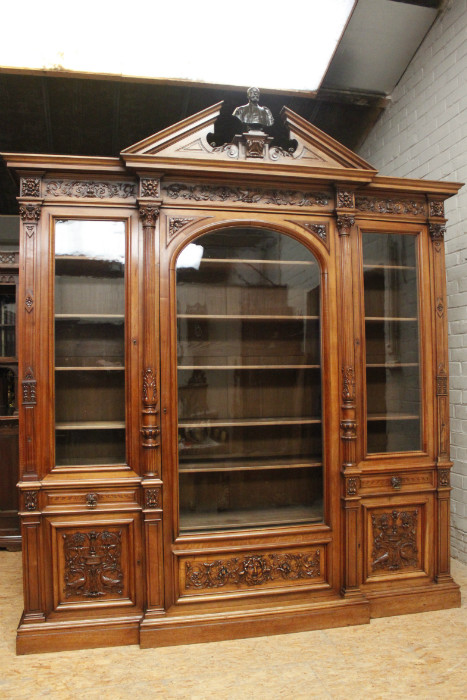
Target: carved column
30,205
437,229
150,424
345,210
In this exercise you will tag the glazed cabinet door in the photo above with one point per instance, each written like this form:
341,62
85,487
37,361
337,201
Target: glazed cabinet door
246,433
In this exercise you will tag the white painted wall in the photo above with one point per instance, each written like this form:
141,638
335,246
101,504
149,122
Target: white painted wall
423,134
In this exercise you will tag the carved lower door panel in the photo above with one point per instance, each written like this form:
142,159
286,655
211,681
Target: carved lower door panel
397,537
96,563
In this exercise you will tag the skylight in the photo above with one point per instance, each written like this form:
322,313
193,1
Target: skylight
281,46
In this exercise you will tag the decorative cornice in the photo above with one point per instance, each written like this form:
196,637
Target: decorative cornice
247,195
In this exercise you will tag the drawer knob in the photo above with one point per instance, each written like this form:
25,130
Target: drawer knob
91,500
396,482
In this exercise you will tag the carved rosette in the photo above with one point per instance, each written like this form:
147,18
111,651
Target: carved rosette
149,187
150,430
31,500
28,386
30,187
252,570
345,200
436,208
152,498
344,224
394,540
93,564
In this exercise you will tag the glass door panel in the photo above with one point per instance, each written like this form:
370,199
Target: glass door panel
392,342
249,382
89,342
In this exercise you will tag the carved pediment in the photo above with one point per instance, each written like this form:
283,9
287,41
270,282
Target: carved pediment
189,144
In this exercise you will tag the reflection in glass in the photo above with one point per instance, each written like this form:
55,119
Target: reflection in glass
89,342
249,381
392,342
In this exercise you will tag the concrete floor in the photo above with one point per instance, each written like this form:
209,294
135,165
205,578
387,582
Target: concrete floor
411,656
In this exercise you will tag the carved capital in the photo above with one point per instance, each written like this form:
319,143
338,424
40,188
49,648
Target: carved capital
30,187
30,213
149,213
344,225
437,232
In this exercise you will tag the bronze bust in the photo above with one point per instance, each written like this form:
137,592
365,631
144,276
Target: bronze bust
252,115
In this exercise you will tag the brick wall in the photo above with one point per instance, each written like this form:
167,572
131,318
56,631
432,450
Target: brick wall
423,134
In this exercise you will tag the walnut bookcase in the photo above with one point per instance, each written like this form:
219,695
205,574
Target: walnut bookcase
234,394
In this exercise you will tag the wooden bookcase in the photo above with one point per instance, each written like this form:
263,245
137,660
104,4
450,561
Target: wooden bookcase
234,393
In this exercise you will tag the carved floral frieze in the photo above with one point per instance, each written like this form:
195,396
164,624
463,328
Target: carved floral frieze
93,566
390,206
252,569
89,189
247,195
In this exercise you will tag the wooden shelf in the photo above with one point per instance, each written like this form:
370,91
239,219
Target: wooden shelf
245,317
111,368
247,261
369,266
391,318
8,360
68,317
241,422
91,425
240,519
248,465
191,367
392,365
392,416
7,419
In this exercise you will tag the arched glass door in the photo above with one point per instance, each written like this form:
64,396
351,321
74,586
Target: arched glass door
249,382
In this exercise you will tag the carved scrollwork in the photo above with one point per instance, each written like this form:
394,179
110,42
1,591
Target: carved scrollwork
344,224
443,478
93,564
394,540
390,206
28,386
30,187
276,152
252,570
231,149
30,500
30,213
352,486
90,189
176,225
249,195
152,498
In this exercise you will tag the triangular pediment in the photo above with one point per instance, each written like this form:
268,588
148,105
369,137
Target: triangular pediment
189,144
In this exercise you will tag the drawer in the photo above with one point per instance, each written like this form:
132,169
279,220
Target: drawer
97,499
397,482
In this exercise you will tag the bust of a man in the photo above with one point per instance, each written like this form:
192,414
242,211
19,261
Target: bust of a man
252,115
